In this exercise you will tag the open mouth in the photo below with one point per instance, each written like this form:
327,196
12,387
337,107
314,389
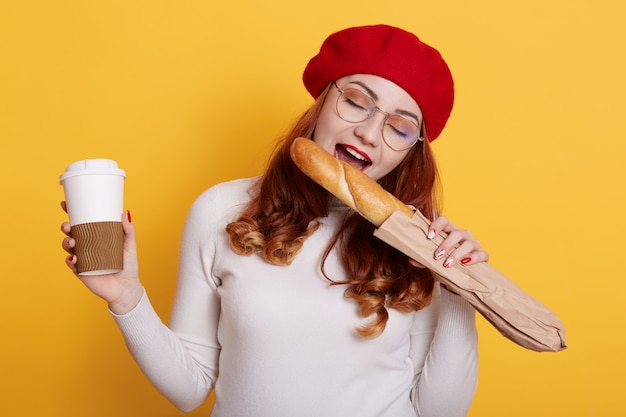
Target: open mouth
352,156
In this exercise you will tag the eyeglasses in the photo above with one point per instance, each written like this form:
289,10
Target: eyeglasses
398,132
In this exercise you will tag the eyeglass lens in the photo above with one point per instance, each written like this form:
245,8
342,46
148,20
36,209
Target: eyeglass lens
355,106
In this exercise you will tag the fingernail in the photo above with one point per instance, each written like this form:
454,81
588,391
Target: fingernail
465,260
128,216
431,234
448,261
439,253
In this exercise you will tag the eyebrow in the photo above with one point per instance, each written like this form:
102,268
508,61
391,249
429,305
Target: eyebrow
366,88
373,95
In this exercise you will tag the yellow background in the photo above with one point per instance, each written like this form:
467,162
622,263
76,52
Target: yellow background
185,94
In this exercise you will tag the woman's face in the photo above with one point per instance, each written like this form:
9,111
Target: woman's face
361,144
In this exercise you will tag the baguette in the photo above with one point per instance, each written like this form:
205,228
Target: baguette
514,313
347,183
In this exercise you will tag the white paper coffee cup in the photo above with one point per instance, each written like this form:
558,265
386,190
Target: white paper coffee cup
94,195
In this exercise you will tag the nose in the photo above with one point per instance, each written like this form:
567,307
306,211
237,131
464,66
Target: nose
370,130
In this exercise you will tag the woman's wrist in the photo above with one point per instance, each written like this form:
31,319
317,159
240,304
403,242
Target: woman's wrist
128,300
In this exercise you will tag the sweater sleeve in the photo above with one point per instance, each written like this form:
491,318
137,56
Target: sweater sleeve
447,381
182,361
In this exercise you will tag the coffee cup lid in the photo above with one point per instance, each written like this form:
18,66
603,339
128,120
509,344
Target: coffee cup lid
92,167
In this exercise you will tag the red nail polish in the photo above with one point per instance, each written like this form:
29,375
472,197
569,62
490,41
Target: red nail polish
128,216
465,260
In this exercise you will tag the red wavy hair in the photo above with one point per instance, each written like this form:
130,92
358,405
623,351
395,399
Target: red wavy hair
287,204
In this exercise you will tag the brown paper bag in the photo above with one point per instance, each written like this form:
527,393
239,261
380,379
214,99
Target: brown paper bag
517,315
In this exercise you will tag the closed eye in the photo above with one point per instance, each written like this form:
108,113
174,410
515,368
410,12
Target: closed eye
357,104
398,131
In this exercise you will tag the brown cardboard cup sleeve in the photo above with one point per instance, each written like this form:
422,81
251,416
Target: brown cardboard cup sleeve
99,247
514,313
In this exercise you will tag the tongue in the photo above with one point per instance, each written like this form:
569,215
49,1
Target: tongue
343,155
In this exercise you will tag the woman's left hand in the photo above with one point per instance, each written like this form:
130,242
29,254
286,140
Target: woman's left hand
458,246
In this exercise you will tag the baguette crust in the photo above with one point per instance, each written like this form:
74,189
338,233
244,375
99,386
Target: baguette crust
347,183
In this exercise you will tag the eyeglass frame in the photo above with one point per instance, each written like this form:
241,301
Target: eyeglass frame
420,137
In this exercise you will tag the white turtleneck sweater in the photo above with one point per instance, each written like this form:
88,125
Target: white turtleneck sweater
280,341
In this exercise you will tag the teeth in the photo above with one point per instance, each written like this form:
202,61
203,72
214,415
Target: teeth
355,154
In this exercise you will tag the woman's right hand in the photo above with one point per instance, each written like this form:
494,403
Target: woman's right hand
122,291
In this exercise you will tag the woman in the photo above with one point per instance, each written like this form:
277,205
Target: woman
286,304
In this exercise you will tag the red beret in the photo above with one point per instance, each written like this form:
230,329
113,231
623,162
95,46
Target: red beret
391,53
